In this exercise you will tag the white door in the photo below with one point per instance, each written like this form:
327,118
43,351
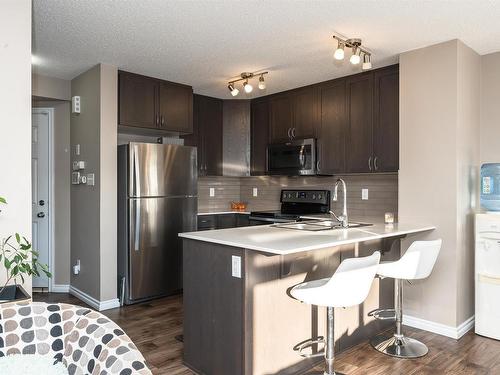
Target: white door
40,189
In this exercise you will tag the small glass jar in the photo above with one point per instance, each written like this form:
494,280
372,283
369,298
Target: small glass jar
389,218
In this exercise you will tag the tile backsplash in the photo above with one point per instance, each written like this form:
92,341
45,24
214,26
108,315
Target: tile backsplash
382,193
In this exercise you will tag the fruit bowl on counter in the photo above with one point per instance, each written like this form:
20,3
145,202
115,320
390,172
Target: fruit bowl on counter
239,206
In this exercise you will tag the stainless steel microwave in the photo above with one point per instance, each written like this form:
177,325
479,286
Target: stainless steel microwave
293,158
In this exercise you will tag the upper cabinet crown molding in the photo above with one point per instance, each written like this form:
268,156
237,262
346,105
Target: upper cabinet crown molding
153,104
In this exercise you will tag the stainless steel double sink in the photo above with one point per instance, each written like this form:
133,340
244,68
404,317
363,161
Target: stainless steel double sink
318,225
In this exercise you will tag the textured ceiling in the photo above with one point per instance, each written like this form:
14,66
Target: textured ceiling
205,43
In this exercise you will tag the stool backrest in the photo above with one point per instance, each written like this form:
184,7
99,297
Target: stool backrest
419,259
353,279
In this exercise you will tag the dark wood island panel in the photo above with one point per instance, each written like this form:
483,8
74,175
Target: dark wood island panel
250,325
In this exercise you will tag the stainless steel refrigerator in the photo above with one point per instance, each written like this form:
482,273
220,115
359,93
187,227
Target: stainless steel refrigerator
157,199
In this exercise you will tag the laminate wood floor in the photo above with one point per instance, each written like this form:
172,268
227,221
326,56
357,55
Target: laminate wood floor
154,325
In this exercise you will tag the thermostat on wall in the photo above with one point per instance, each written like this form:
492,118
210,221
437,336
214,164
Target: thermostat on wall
75,104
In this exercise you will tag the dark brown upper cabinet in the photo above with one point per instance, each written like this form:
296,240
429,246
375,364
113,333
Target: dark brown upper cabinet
259,136
294,114
359,139
150,103
331,134
207,134
137,101
386,120
280,117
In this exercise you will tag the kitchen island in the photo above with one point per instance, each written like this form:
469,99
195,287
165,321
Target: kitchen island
238,315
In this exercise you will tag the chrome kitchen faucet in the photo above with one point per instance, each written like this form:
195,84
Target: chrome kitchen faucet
343,219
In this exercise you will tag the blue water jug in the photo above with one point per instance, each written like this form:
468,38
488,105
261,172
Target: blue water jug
490,186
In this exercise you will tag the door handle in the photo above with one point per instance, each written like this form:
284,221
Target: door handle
162,121
137,227
40,215
318,165
42,202
289,135
157,120
375,164
370,163
293,132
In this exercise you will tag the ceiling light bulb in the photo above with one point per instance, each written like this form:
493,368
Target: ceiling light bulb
248,87
262,84
367,63
355,58
339,52
234,90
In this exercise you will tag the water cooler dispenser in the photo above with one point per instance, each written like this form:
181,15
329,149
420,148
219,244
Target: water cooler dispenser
487,257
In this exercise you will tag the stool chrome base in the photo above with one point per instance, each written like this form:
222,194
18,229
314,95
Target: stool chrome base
399,346
323,373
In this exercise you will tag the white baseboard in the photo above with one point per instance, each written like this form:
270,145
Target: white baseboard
440,329
59,288
92,302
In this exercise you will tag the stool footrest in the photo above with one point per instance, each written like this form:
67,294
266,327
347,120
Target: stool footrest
308,344
383,314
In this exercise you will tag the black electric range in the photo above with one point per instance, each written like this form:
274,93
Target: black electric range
294,204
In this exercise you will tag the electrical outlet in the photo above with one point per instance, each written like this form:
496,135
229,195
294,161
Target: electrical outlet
77,149
255,192
236,266
212,192
364,194
76,267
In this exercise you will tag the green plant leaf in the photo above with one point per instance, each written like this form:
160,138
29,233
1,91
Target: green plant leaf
18,238
6,263
2,200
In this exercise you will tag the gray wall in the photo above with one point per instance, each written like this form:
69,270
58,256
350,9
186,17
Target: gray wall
85,200
50,88
62,179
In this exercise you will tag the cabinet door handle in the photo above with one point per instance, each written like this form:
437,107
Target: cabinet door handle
162,121
288,132
375,163
293,132
370,163
157,120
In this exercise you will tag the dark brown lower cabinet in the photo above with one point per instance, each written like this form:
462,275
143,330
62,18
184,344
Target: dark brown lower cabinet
249,325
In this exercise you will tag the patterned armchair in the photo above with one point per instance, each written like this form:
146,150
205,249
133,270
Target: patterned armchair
86,341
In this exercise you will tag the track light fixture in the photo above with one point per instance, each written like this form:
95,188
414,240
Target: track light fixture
234,91
245,76
358,52
367,62
262,84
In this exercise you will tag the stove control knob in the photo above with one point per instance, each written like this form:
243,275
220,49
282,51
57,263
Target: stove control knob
314,196
320,196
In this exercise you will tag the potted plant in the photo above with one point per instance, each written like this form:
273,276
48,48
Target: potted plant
19,260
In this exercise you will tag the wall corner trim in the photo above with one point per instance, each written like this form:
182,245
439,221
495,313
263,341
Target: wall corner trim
92,302
59,288
441,329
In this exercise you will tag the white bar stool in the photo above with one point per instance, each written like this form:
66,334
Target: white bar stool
416,263
349,286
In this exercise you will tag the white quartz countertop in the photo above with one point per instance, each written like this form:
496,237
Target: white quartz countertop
273,240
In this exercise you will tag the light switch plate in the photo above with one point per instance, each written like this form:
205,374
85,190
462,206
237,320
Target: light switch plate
255,192
212,192
364,194
236,266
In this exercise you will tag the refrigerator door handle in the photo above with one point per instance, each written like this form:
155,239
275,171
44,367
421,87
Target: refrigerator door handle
136,173
137,226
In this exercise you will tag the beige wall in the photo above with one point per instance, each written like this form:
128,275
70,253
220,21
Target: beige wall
50,88
490,108
62,183
438,147
15,126
93,208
